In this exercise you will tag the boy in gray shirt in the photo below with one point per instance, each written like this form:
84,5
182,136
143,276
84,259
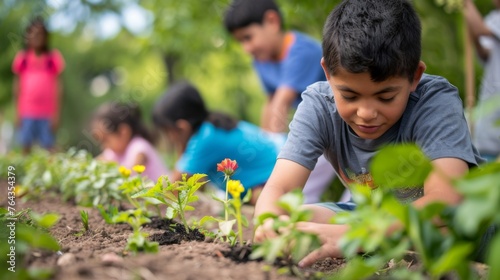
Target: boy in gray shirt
376,93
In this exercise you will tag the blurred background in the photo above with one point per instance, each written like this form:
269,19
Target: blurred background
132,50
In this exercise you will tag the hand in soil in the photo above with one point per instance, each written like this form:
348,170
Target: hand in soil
329,236
267,230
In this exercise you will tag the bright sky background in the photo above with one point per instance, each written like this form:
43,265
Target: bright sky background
133,17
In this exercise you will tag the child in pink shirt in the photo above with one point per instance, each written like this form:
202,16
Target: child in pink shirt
37,89
124,138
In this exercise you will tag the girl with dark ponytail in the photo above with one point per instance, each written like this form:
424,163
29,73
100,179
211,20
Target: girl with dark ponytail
125,139
202,139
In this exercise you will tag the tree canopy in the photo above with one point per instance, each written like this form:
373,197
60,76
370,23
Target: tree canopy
181,40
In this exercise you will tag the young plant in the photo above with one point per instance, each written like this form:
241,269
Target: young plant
438,252
291,245
130,185
84,215
232,207
138,241
228,167
177,196
235,188
22,232
108,214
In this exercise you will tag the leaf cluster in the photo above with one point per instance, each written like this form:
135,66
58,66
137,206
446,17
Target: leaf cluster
177,196
386,229
291,245
31,233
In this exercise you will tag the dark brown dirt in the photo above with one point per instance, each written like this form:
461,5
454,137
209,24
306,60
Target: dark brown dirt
100,253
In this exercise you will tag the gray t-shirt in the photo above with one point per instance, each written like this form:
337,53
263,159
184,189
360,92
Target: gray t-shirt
433,119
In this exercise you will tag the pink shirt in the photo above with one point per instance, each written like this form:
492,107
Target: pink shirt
38,83
154,166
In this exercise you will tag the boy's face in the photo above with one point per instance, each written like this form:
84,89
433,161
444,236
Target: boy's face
262,41
371,108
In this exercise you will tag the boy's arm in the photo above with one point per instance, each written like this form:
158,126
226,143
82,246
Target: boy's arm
286,176
275,114
438,186
476,27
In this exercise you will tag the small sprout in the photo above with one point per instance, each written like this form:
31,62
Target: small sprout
85,219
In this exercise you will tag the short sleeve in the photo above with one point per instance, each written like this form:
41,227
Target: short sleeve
493,23
58,61
306,139
198,156
440,128
109,155
302,66
18,62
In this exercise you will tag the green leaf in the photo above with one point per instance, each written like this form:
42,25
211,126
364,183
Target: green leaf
493,258
455,256
171,213
357,268
226,226
291,201
400,166
247,196
275,248
208,219
99,183
264,216
36,238
47,220
304,244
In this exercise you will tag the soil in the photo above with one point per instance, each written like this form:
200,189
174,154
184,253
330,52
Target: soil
100,252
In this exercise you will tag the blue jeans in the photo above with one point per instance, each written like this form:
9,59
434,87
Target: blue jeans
338,206
36,130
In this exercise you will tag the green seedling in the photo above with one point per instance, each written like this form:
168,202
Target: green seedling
177,195
108,215
23,232
235,188
85,220
291,245
138,241
440,253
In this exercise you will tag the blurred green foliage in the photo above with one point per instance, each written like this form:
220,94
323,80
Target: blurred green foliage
184,40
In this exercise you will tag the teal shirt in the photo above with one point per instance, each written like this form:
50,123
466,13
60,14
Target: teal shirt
253,149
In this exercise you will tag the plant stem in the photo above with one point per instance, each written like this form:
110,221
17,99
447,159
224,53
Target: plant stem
238,215
181,212
226,178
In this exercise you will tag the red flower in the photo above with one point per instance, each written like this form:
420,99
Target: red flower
227,166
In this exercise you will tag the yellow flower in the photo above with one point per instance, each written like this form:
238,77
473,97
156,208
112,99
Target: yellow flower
124,171
235,188
139,168
20,191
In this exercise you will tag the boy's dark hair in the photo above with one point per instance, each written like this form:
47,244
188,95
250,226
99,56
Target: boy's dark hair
381,37
183,101
242,13
113,114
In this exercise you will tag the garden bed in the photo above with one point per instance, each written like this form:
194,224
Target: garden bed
100,252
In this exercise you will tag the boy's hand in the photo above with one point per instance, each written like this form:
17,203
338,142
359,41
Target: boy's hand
329,235
266,230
